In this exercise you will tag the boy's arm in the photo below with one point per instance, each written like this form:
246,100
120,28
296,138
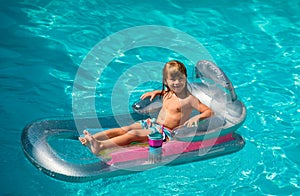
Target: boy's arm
152,94
204,110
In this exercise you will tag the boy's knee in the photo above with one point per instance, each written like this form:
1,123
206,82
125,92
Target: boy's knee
133,132
139,132
125,129
133,127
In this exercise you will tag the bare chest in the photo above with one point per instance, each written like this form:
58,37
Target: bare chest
176,105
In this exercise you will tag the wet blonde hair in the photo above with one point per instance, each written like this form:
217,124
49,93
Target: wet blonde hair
172,67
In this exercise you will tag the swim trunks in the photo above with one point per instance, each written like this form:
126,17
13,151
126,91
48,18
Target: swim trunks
155,128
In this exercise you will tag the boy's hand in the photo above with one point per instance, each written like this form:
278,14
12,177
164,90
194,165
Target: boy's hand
149,94
192,122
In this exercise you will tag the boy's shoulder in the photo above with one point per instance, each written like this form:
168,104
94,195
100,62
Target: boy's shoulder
194,99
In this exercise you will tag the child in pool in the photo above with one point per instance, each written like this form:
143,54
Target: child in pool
178,104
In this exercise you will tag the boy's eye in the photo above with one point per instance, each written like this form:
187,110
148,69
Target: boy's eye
176,79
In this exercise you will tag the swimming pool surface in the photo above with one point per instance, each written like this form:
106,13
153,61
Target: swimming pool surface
256,43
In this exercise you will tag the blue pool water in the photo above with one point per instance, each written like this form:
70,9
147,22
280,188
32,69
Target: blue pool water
256,43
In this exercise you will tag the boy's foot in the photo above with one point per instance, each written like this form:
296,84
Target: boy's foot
94,145
83,140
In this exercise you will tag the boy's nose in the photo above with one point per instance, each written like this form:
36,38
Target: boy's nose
176,81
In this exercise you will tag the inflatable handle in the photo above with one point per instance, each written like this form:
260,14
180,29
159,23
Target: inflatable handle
204,126
145,106
207,69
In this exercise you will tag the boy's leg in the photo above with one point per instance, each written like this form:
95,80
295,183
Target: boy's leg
137,135
107,134
111,133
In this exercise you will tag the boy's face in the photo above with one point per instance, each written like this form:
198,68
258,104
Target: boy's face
176,81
